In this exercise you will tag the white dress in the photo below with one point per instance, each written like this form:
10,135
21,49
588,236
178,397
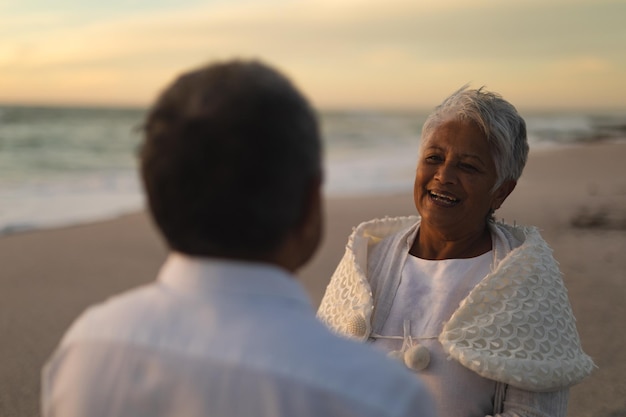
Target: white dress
429,292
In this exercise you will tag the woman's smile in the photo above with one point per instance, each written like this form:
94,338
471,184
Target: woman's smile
443,199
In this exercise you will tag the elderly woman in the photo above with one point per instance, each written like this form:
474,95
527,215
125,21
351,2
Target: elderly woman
476,307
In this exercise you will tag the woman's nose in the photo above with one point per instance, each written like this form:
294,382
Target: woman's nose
445,173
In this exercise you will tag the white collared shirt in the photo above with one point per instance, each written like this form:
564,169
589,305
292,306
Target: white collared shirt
219,338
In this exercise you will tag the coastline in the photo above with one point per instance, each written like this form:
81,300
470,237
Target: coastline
576,196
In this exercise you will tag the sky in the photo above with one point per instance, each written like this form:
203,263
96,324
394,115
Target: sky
343,54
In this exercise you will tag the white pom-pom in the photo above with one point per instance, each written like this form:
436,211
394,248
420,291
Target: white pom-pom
356,326
417,357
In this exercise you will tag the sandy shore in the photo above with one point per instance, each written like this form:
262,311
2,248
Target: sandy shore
576,196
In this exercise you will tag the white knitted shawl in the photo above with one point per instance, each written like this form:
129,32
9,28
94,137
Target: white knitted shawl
516,326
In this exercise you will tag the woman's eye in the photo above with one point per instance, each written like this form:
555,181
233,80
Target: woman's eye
468,167
434,158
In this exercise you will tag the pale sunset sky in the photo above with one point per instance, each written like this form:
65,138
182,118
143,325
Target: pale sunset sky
408,54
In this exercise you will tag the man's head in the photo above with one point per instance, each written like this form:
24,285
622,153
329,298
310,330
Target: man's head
231,163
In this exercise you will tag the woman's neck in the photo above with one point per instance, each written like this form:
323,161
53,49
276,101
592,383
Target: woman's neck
434,245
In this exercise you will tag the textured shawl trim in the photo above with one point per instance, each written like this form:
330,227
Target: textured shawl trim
348,300
516,326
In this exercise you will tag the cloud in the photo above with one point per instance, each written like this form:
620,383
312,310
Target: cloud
349,51
582,65
436,30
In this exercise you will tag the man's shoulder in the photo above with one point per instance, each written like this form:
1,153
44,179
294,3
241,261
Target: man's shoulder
106,318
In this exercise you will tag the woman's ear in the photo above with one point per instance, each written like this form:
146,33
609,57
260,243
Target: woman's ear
502,193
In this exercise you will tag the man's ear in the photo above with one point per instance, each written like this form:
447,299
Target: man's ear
502,193
304,239
312,205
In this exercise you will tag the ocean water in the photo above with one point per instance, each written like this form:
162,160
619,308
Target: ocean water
62,166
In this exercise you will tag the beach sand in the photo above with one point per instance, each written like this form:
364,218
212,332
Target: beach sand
576,196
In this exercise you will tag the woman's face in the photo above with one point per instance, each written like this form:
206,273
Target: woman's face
454,178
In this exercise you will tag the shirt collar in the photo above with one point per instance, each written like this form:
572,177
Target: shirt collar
204,277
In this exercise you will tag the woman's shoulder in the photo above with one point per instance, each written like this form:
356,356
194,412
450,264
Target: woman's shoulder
379,229
517,235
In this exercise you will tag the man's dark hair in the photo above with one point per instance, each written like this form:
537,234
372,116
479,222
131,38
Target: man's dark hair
231,152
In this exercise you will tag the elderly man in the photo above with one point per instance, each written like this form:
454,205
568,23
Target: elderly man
232,170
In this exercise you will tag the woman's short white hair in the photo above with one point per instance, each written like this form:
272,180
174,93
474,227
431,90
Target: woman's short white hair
504,128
